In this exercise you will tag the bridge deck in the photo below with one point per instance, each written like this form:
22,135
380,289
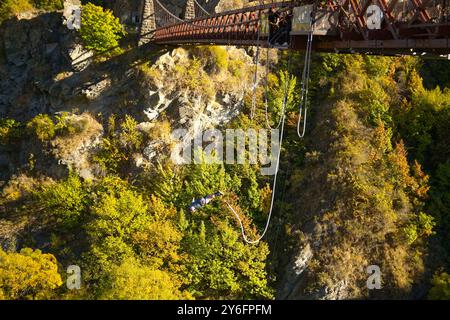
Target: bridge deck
392,26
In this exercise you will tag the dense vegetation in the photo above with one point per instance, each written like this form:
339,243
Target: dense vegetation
9,8
100,30
371,185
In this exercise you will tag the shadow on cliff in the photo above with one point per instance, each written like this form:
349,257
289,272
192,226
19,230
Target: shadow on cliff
38,75
107,87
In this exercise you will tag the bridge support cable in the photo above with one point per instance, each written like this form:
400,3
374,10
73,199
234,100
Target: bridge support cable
164,17
303,107
199,10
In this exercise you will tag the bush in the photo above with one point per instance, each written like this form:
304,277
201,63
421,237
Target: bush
10,131
49,5
100,29
215,57
28,275
42,127
192,76
66,126
441,287
8,8
118,144
66,200
130,137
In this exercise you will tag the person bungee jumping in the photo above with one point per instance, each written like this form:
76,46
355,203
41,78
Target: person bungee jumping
200,203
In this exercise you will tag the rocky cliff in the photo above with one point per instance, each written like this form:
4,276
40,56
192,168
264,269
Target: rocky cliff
46,70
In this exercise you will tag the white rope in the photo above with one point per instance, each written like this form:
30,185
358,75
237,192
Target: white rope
269,218
303,108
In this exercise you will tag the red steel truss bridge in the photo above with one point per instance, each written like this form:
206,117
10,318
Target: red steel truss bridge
369,26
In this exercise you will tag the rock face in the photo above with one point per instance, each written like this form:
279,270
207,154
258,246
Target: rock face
35,51
75,151
190,111
293,277
46,70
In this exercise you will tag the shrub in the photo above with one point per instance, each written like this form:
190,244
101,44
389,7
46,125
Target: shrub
10,131
117,145
237,68
191,76
215,57
441,287
42,127
28,275
100,30
67,200
49,5
8,8
66,126
130,137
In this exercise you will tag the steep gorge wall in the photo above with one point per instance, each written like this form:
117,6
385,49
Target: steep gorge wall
352,199
45,70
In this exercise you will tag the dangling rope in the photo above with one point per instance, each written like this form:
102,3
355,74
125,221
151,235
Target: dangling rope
269,218
303,108
282,124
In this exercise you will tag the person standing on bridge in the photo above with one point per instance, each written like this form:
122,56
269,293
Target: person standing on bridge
274,26
285,28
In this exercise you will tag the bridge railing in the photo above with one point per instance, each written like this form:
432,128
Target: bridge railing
234,26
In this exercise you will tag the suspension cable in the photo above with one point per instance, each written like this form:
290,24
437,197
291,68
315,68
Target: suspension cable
168,12
201,8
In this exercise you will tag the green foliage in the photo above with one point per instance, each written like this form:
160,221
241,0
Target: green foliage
221,266
49,5
421,227
192,76
214,57
118,144
126,231
8,8
205,179
65,126
133,281
100,30
28,275
129,136
118,212
441,287
10,131
66,200
237,68
167,183
42,127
